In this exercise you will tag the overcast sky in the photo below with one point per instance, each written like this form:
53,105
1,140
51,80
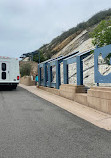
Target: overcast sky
25,25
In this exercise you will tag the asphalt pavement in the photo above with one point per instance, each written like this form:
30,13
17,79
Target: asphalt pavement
31,127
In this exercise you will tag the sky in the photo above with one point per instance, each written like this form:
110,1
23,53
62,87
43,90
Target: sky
25,25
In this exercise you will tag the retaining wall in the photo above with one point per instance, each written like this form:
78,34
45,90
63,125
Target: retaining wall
26,80
98,98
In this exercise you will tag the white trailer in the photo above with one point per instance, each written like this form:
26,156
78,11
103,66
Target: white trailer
9,72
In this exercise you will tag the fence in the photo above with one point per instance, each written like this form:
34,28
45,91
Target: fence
76,57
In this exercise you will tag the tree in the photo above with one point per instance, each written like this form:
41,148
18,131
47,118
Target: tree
36,57
25,70
102,34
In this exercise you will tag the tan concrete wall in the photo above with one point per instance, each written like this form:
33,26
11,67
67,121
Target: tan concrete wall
69,91
26,80
100,93
81,98
100,98
101,88
100,104
73,88
51,90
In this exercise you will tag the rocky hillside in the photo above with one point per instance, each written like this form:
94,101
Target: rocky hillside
81,43
76,38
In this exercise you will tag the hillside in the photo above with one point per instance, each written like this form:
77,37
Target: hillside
76,38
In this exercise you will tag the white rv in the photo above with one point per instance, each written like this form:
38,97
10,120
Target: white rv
9,72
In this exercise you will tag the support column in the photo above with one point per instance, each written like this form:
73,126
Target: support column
65,71
44,74
79,71
49,75
39,75
57,74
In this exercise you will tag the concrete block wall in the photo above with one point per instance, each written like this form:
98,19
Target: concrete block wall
69,90
51,90
72,92
26,80
81,98
98,98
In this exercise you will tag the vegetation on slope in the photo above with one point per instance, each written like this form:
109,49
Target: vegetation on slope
61,41
102,33
102,36
25,70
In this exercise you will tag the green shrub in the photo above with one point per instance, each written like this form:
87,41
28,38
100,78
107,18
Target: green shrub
36,57
25,70
102,34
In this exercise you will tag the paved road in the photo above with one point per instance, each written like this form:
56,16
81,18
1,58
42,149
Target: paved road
31,127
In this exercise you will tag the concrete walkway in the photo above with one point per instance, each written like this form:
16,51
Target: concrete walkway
93,116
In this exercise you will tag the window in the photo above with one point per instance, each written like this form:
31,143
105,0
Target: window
3,67
3,75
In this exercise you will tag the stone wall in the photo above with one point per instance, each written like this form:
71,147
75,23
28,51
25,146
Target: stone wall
26,80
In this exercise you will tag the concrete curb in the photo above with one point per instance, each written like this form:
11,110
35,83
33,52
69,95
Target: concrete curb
93,116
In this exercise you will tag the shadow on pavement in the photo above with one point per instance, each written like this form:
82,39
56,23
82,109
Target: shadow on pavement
6,88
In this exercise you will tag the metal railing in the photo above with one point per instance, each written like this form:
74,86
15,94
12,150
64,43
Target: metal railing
76,57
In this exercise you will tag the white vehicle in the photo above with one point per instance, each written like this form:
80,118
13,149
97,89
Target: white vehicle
9,72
